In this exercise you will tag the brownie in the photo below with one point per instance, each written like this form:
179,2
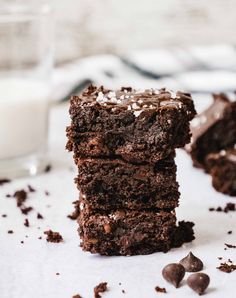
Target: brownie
213,130
113,183
125,232
134,125
222,167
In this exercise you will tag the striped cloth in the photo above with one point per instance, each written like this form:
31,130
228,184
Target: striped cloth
198,70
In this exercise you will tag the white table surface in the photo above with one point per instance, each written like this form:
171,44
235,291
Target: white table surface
29,270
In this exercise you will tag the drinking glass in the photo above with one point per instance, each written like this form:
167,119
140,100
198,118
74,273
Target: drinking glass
26,60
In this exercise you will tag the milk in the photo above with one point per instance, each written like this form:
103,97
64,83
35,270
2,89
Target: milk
23,117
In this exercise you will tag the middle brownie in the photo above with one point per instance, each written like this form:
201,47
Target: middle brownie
114,183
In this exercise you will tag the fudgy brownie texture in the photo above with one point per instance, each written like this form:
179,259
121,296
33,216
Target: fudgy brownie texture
222,167
213,130
124,232
113,183
135,125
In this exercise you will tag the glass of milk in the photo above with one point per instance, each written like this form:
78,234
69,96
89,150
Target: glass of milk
26,61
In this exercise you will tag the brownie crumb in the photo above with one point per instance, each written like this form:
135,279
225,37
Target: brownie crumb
39,216
40,238
123,291
4,215
26,210
228,268
20,196
54,237
220,258
10,232
101,288
22,242
8,195
229,232
183,233
48,168
160,290
57,273
230,245
228,207
77,296
31,189
3,181
74,215
47,193
26,223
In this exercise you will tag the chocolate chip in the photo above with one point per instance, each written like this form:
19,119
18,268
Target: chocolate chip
198,282
191,263
173,273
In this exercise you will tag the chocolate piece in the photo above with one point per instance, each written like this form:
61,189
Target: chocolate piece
108,184
222,167
53,236
173,273
160,290
227,268
101,288
213,130
198,282
3,181
191,263
137,126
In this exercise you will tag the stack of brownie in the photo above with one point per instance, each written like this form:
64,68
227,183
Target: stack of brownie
124,147
213,144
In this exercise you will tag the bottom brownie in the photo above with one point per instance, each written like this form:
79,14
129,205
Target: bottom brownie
222,167
124,232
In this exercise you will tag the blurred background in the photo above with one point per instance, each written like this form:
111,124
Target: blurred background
86,27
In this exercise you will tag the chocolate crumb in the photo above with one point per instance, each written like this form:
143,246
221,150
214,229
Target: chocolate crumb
4,215
230,245
74,215
123,291
160,290
26,210
47,193
57,273
39,216
101,288
229,232
77,296
228,207
230,261
22,242
8,195
54,237
228,268
48,168
3,181
31,189
20,196
10,232
26,223
40,238
220,258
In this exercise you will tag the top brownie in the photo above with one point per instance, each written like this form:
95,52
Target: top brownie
213,130
137,125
